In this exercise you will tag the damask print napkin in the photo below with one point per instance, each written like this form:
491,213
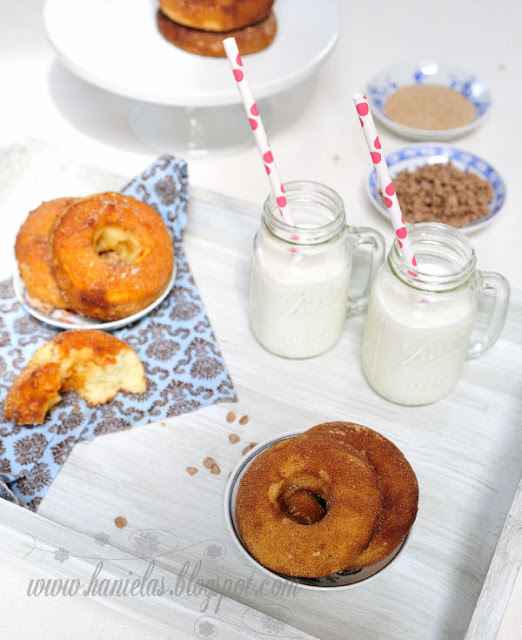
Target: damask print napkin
184,366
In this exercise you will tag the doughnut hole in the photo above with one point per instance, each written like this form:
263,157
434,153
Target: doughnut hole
303,505
116,245
305,501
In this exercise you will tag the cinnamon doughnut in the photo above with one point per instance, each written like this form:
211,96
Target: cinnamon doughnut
216,15
397,482
339,478
250,39
32,253
95,364
112,255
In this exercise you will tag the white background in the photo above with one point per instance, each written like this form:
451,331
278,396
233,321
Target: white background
42,100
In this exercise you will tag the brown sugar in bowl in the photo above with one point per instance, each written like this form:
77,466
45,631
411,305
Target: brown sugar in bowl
430,107
428,100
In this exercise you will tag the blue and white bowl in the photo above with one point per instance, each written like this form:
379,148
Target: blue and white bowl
383,85
418,155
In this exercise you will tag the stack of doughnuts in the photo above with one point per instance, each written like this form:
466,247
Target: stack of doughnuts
200,27
106,256
338,497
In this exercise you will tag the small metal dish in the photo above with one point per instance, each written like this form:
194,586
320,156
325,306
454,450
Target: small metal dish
340,580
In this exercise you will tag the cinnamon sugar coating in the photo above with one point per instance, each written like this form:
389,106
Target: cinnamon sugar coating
250,39
216,15
344,481
32,252
429,107
112,256
397,482
339,496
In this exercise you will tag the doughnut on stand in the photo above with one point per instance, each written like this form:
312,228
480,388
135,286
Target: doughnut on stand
182,102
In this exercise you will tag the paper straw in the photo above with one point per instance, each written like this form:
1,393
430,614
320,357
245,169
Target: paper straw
384,179
257,127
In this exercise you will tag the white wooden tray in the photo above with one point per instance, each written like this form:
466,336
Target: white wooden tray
466,451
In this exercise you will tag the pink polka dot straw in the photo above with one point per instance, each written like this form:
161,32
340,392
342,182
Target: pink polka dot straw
384,178
257,127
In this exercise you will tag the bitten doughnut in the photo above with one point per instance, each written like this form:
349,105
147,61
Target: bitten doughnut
397,482
216,15
95,364
33,256
250,39
340,480
112,255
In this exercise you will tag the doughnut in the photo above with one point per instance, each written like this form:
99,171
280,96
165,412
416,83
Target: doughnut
216,15
32,253
93,363
340,480
397,481
250,39
112,255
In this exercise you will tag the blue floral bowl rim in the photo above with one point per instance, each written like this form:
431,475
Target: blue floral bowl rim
467,78
427,150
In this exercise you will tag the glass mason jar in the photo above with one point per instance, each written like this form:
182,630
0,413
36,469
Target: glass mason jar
418,330
300,275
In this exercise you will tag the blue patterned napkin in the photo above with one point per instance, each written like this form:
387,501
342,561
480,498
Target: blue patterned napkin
184,365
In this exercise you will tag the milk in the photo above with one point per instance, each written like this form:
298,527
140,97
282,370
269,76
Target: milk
300,271
298,300
415,342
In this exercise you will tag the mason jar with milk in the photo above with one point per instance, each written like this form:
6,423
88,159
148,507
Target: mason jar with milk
300,273
419,324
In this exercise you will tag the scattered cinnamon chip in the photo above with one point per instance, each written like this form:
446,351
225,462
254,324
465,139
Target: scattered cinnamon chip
120,522
192,470
208,462
215,469
233,438
243,420
248,447
231,416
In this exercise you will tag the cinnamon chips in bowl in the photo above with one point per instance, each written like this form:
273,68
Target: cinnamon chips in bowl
440,183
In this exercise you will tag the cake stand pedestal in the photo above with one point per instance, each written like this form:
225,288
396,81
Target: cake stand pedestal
193,131
181,102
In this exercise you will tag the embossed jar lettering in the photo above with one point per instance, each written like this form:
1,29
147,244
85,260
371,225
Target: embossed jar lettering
425,352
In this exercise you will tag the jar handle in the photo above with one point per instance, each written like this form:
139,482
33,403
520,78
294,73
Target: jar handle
494,318
371,237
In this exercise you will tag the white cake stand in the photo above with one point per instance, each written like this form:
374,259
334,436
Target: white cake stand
181,101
